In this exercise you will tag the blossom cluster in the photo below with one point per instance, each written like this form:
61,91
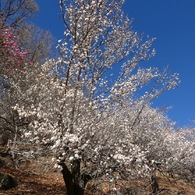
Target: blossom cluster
11,53
76,109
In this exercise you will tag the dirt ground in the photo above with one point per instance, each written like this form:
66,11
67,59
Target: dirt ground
33,180
34,183
52,183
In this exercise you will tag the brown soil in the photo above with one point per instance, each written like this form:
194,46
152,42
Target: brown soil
34,183
143,187
33,180
52,183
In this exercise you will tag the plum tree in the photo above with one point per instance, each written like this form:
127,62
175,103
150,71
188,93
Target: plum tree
92,123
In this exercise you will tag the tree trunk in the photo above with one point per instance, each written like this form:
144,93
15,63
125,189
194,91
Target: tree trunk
72,178
75,170
67,179
155,186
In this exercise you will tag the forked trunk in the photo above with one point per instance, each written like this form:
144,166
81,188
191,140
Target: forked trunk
155,186
73,178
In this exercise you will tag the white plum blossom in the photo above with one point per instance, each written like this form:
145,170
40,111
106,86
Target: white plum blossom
81,115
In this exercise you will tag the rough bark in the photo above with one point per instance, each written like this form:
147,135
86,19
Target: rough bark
155,186
72,178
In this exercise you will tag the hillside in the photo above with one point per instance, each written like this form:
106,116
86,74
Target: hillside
34,181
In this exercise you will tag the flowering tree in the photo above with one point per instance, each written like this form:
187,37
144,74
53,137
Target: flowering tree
105,136
22,45
13,63
12,55
181,146
14,14
93,125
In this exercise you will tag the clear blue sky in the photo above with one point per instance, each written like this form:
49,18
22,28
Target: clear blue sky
172,22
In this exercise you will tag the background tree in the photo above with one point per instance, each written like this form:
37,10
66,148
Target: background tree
14,12
37,42
13,57
22,46
13,18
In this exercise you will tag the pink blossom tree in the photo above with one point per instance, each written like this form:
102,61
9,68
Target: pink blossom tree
13,56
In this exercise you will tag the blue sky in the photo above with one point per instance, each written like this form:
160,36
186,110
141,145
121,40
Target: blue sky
172,22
